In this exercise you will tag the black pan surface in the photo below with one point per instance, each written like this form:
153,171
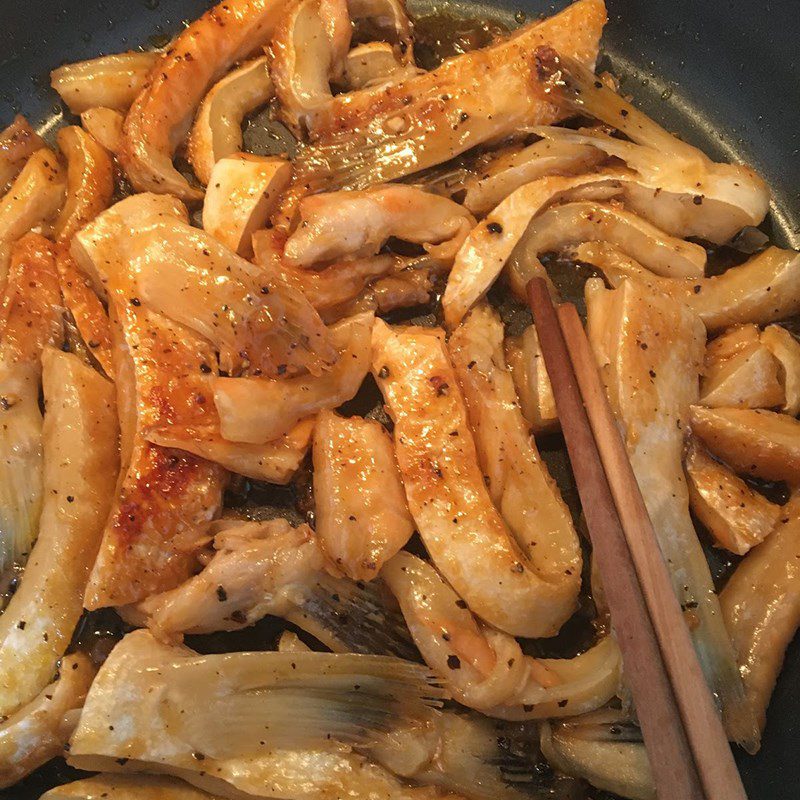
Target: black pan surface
724,74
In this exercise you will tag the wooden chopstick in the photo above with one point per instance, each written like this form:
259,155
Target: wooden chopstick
671,760
702,723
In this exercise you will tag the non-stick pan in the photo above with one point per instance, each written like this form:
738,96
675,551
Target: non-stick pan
724,74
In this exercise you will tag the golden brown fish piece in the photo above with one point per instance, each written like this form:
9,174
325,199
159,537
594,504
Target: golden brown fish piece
486,669
740,372
40,730
766,288
128,787
18,142
357,224
257,568
753,442
162,113
786,349
87,310
90,180
81,461
380,134
445,486
518,480
362,517
257,410
30,319
761,607
217,130
108,81
166,498
735,515
258,322
34,199
649,350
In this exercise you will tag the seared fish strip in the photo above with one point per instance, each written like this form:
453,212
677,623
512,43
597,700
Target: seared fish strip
30,319
261,568
258,410
162,113
80,470
650,350
485,669
358,223
165,498
380,134
463,531
761,607
766,288
18,142
678,188
516,476
362,517
258,569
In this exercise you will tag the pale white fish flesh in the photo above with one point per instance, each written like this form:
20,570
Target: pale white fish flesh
752,441
560,227
162,113
678,187
485,669
495,180
258,568
87,310
518,480
109,81
217,129
128,787
761,608
358,223
764,289
362,517
242,193
38,732
736,516
490,244
387,132
259,323
307,53
464,533
30,319
332,289
276,461
257,410
105,124
18,142
375,64
34,199
81,462
619,767
650,351
786,349
126,724
534,391
739,371
90,181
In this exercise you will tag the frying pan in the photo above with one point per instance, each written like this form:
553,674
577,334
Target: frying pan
722,73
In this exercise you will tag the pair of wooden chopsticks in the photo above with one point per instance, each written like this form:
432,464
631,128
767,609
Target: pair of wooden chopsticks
689,754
